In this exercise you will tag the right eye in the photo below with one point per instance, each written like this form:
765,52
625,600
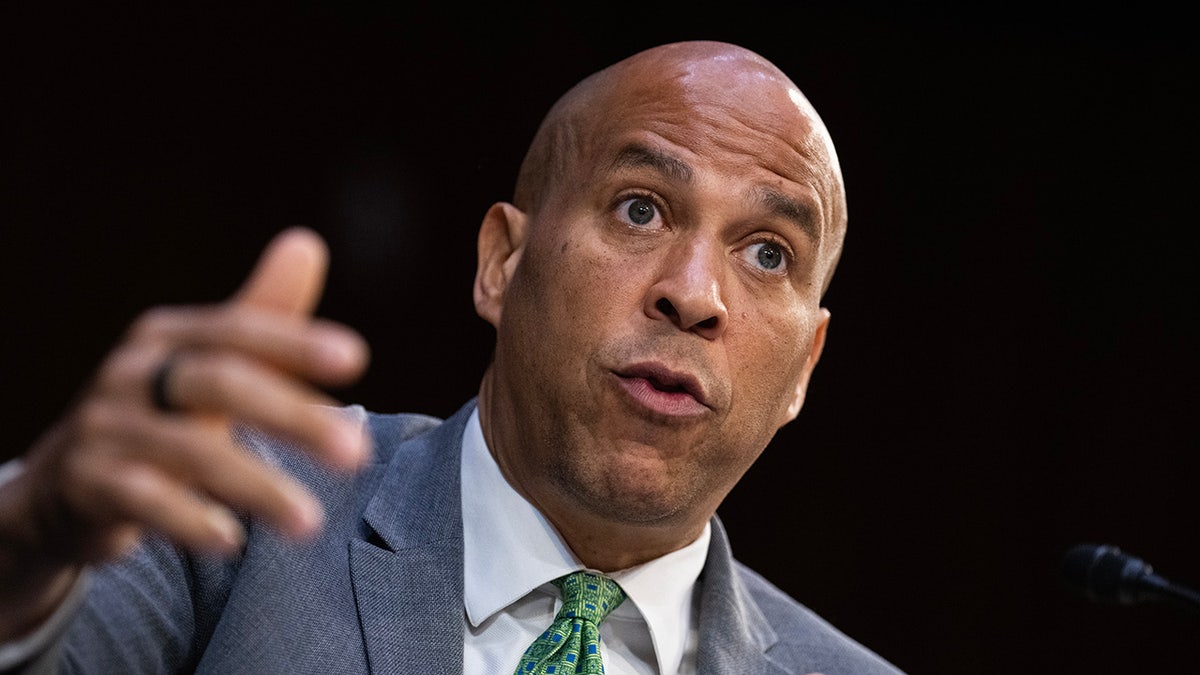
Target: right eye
639,212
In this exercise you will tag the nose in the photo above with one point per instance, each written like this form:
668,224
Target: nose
687,290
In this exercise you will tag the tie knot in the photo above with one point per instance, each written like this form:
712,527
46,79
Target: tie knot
588,596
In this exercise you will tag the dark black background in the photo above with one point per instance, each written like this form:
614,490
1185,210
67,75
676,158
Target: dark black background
1010,367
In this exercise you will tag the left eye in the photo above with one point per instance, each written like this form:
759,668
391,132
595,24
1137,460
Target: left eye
638,211
768,256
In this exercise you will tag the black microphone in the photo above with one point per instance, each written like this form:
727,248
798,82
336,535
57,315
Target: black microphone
1105,574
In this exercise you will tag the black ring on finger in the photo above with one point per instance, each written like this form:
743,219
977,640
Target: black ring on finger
158,384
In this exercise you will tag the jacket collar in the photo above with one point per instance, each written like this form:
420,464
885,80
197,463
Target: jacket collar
408,572
734,633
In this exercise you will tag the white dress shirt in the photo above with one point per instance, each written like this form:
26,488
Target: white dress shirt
512,553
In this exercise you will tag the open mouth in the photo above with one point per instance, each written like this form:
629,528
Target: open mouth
663,391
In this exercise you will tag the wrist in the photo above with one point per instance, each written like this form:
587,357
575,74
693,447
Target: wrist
32,584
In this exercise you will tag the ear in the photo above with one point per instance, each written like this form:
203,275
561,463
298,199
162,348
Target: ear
501,242
814,355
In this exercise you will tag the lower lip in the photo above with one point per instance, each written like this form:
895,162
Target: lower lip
669,403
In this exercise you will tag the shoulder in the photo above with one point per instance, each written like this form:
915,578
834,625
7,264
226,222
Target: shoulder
805,637
388,432
405,446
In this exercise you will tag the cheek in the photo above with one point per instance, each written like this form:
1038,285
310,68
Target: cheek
768,352
567,292
589,278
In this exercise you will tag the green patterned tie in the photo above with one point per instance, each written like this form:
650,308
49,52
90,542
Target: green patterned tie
572,643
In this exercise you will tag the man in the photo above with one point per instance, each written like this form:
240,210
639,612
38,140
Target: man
655,286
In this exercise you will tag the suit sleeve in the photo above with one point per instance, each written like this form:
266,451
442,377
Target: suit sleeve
150,612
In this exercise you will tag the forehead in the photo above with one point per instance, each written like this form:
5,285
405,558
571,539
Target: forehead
743,122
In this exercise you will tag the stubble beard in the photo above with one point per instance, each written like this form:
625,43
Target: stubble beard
617,491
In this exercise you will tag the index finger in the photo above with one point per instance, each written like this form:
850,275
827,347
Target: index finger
289,276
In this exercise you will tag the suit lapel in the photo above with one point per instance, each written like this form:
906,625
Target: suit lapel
409,606
734,634
408,573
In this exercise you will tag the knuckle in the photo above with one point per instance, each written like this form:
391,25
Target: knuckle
124,366
237,324
149,324
135,490
200,455
77,470
90,482
94,419
233,327
225,375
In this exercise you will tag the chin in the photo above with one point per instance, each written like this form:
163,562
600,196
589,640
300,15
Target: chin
635,494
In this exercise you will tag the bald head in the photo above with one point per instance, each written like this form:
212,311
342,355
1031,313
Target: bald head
713,79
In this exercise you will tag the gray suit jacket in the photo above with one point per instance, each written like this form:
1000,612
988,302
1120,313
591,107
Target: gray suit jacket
381,591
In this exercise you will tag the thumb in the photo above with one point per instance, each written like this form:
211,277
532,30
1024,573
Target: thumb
289,275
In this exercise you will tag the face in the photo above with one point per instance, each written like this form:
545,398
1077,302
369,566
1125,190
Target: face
658,314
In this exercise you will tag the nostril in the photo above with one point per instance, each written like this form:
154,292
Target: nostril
668,310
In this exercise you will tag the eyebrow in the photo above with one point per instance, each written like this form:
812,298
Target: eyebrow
800,214
639,156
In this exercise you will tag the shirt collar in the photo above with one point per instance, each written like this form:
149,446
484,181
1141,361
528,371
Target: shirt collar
511,549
